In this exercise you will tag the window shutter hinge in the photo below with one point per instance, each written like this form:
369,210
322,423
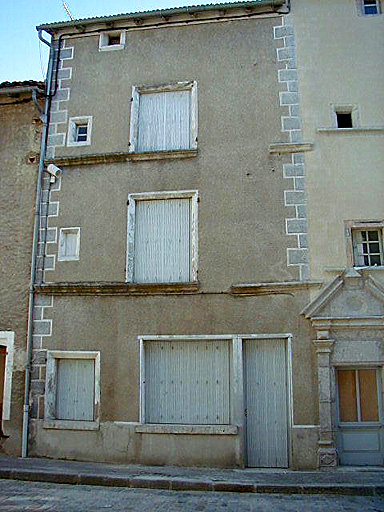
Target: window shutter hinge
198,199
347,232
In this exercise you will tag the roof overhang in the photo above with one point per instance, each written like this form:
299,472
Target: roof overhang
164,16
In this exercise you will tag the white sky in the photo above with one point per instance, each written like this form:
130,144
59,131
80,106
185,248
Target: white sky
24,57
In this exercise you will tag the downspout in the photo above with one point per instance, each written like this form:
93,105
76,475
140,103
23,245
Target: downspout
31,296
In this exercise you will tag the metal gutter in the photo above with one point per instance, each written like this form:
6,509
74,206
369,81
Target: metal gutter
45,119
268,5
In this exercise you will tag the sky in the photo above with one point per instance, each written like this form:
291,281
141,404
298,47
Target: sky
24,57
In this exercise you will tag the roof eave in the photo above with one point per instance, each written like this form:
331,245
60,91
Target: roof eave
262,5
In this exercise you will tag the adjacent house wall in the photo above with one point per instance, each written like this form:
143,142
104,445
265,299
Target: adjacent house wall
20,130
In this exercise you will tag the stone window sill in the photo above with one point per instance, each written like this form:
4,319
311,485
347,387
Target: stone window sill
163,155
187,429
117,288
367,129
71,425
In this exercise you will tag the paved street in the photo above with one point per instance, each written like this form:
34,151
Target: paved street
19,496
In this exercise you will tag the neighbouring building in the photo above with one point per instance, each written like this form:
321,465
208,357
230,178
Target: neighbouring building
178,293
20,134
342,106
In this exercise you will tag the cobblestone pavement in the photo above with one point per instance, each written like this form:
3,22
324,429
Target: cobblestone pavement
17,496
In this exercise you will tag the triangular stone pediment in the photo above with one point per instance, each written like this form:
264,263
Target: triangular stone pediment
350,295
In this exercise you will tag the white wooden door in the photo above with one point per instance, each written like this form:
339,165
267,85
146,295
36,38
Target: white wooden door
266,402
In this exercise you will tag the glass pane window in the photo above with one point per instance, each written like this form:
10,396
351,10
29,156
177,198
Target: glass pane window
368,248
358,395
371,7
81,132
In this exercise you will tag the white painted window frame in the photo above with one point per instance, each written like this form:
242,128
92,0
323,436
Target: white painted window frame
182,194
135,106
236,382
76,256
103,41
50,420
7,339
73,122
353,225
345,109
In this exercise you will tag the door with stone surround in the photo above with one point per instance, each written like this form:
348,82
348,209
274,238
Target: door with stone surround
360,416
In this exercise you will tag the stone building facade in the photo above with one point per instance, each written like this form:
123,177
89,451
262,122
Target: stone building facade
178,296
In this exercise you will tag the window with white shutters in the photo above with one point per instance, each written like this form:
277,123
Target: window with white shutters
69,244
187,382
164,118
72,390
162,237
75,389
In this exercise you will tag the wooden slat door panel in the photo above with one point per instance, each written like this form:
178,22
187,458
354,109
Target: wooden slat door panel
187,382
164,121
163,241
266,403
75,389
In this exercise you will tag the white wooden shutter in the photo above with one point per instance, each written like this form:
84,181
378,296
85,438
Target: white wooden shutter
75,389
187,382
164,121
162,241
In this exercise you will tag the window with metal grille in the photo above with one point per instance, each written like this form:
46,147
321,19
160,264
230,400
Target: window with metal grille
164,118
367,247
187,382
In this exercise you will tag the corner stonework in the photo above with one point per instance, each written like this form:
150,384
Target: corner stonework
59,113
294,169
42,328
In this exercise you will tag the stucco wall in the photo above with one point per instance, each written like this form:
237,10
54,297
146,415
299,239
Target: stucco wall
19,139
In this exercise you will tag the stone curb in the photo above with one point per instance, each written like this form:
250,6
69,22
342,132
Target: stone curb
185,484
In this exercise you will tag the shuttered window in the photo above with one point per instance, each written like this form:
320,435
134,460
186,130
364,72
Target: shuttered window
163,118
358,395
163,241
187,382
69,244
75,389
164,121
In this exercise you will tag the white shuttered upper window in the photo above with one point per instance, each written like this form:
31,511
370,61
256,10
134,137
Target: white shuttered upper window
69,244
162,237
164,118
187,382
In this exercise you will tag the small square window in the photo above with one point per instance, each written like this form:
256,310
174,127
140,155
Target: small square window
79,131
112,40
367,247
164,118
371,7
344,119
345,116
69,244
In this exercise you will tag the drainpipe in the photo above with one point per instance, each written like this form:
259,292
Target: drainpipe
31,296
